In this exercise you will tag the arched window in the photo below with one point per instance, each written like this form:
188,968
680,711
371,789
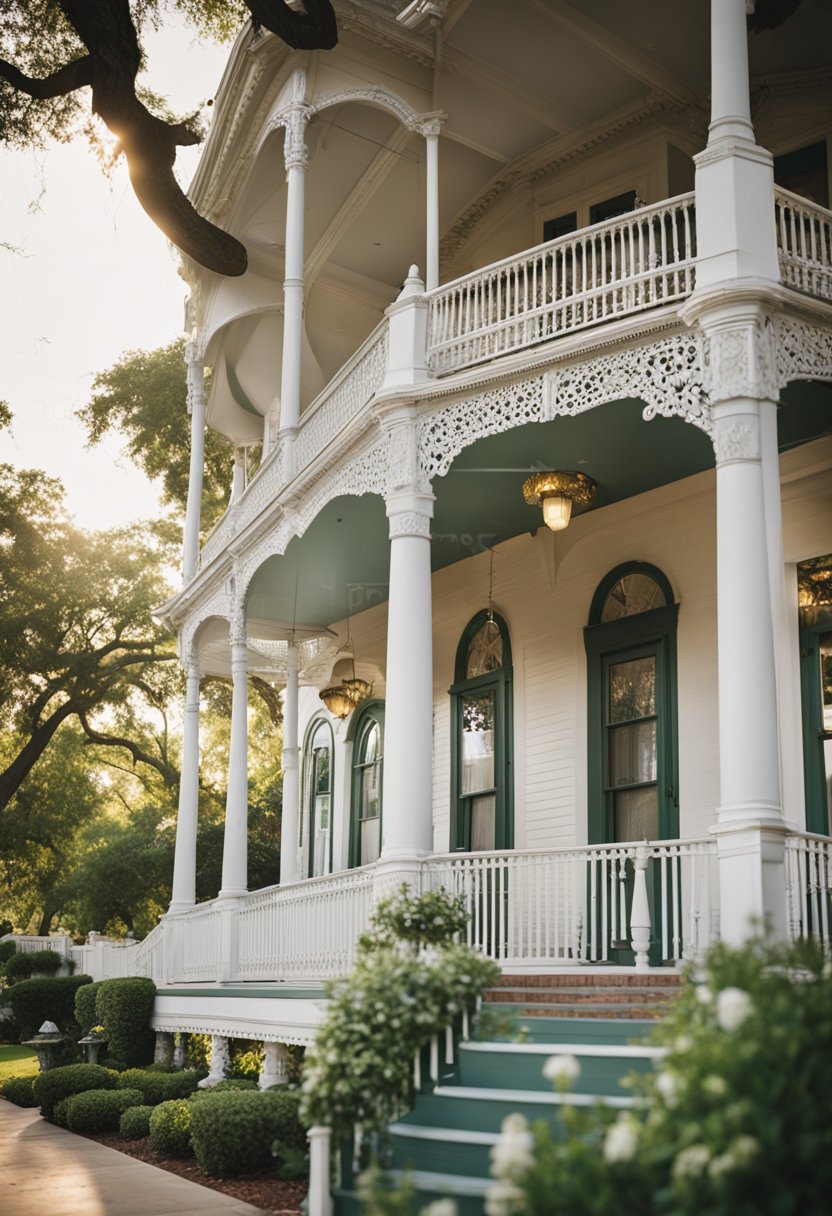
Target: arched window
367,759
481,795
632,739
316,831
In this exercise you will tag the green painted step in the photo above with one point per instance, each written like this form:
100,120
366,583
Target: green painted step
467,1192
483,1110
520,1065
442,1149
611,1031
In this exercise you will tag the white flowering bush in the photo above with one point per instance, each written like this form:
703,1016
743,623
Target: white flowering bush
736,1122
401,992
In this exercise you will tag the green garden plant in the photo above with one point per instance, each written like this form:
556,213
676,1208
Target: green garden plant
124,1008
50,1087
20,1090
237,1132
46,998
158,1087
100,1110
135,1123
170,1128
85,999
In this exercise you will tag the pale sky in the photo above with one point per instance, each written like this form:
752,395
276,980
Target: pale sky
96,278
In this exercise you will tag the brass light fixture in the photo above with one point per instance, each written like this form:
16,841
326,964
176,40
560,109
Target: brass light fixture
338,701
556,493
341,699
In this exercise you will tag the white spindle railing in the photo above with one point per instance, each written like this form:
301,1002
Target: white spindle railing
809,886
804,243
573,904
61,943
197,949
622,266
305,931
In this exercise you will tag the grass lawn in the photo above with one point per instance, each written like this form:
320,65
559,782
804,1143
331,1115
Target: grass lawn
15,1060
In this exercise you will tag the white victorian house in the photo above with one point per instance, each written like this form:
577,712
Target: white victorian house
581,248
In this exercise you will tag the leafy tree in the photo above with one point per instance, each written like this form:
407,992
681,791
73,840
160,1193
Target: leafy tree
53,51
76,634
143,398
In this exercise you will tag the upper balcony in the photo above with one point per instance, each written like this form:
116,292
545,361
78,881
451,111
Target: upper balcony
519,308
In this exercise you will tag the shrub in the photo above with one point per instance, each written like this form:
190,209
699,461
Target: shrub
46,962
46,999
85,999
7,949
100,1110
59,1114
135,1123
124,1008
20,1089
158,1086
117,1065
59,1083
221,1087
234,1133
170,1128
246,1060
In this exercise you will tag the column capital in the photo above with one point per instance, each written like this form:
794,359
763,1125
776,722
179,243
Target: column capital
237,632
410,512
740,357
295,151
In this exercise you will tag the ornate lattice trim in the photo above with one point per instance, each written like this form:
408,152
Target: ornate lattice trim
804,351
442,436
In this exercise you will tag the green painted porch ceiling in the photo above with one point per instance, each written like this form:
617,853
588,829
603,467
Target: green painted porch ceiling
340,566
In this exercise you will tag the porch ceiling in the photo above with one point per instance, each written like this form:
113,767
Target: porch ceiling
339,567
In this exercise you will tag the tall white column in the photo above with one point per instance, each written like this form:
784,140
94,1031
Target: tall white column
730,100
235,841
750,825
291,772
296,158
431,130
407,825
196,408
184,862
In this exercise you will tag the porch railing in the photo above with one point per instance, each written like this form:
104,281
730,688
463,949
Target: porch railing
809,886
573,905
804,243
622,266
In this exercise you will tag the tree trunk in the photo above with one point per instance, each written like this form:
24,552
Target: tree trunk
45,924
13,777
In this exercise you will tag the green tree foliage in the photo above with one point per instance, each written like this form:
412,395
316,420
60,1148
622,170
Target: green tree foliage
142,397
76,634
58,55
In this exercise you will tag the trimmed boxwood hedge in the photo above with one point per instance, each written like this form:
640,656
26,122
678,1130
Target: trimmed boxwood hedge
46,999
100,1110
170,1128
38,962
124,1008
234,1132
159,1086
20,1089
222,1087
135,1123
50,1087
7,949
85,998
61,1110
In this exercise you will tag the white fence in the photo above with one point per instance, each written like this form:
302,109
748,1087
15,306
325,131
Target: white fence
573,905
809,887
61,943
610,270
804,241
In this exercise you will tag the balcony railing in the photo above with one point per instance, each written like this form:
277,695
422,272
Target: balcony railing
623,266
804,243
809,887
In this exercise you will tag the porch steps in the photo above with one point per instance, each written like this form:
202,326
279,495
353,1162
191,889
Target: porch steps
443,1145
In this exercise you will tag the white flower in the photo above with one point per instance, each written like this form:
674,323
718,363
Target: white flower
504,1199
512,1154
703,994
743,1149
691,1161
715,1086
562,1070
733,1006
682,1043
667,1085
440,1207
621,1140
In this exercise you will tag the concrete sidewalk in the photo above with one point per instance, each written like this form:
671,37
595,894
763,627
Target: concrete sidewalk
47,1171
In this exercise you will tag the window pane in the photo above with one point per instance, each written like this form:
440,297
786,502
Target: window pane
633,754
321,768
632,594
477,743
370,841
483,816
637,814
370,748
632,689
485,651
370,791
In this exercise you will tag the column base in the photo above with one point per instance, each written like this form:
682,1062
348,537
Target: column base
752,880
180,905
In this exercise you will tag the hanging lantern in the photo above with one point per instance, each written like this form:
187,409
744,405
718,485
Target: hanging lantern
556,493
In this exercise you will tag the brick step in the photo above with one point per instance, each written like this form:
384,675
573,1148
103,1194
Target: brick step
625,1011
577,996
594,979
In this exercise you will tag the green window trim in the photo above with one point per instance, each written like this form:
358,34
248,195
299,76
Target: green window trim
370,714
644,634
307,839
814,734
496,687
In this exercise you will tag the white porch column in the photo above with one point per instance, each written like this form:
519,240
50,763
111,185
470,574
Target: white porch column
431,131
291,772
196,408
296,159
275,1066
408,726
750,828
235,841
730,101
183,894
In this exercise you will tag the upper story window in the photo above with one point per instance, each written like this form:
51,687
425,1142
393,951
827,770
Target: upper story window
620,204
